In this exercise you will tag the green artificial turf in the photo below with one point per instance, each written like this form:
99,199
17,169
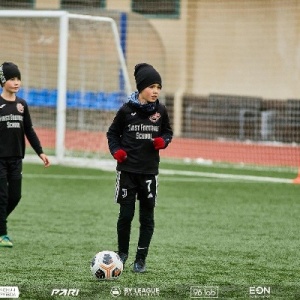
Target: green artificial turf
229,235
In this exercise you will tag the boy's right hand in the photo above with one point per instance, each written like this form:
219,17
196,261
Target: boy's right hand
120,155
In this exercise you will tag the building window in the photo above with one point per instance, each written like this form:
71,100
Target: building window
82,3
17,3
156,8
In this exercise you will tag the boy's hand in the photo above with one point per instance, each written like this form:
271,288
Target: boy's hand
45,159
120,155
159,143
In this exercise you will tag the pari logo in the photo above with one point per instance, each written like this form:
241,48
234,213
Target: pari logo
65,292
260,291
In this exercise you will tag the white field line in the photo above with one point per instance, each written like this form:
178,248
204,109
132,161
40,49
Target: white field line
101,177
112,178
110,165
60,176
226,176
193,177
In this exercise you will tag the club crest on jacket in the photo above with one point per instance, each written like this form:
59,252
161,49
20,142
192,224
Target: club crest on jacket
20,108
155,117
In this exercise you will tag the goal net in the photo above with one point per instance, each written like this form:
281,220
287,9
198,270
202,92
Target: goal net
230,78
74,76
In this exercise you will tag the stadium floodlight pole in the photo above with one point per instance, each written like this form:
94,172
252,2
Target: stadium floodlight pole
117,43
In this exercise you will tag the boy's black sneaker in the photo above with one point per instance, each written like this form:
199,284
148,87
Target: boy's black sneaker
123,257
139,266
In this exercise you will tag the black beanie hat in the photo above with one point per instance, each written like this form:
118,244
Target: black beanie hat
145,75
9,70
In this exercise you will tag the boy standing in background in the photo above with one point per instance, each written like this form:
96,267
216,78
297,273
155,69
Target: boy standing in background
15,124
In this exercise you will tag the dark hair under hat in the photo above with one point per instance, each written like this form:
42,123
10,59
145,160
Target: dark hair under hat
9,70
145,75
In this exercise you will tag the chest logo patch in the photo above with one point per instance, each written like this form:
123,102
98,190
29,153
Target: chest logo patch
20,108
154,118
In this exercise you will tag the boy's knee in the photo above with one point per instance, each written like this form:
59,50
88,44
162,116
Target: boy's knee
126,213
14,188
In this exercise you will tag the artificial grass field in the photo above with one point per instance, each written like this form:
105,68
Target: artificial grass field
231,234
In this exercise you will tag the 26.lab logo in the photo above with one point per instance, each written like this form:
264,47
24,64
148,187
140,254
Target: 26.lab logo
204,291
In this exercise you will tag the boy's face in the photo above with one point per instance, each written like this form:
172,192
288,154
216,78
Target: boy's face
150,94
12,85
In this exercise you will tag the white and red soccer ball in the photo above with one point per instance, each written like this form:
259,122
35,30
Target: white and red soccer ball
106,265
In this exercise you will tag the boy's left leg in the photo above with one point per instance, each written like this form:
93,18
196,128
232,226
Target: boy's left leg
147,197
10,194
14,194
4,239
3,206
14,183
146,230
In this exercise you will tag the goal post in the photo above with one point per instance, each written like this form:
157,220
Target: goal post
70,66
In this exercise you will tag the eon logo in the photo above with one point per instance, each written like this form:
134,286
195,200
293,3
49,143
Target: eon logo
259,291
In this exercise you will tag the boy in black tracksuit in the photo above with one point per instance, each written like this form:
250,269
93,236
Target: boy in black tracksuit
139,130
15,124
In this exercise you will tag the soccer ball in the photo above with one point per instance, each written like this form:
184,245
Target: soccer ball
106,265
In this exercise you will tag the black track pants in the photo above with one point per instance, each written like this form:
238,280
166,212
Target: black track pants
146,228
3,205
130,187
14,194
10,189
124,226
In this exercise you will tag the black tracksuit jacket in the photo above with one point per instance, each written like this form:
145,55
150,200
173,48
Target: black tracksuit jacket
15,124
133,130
